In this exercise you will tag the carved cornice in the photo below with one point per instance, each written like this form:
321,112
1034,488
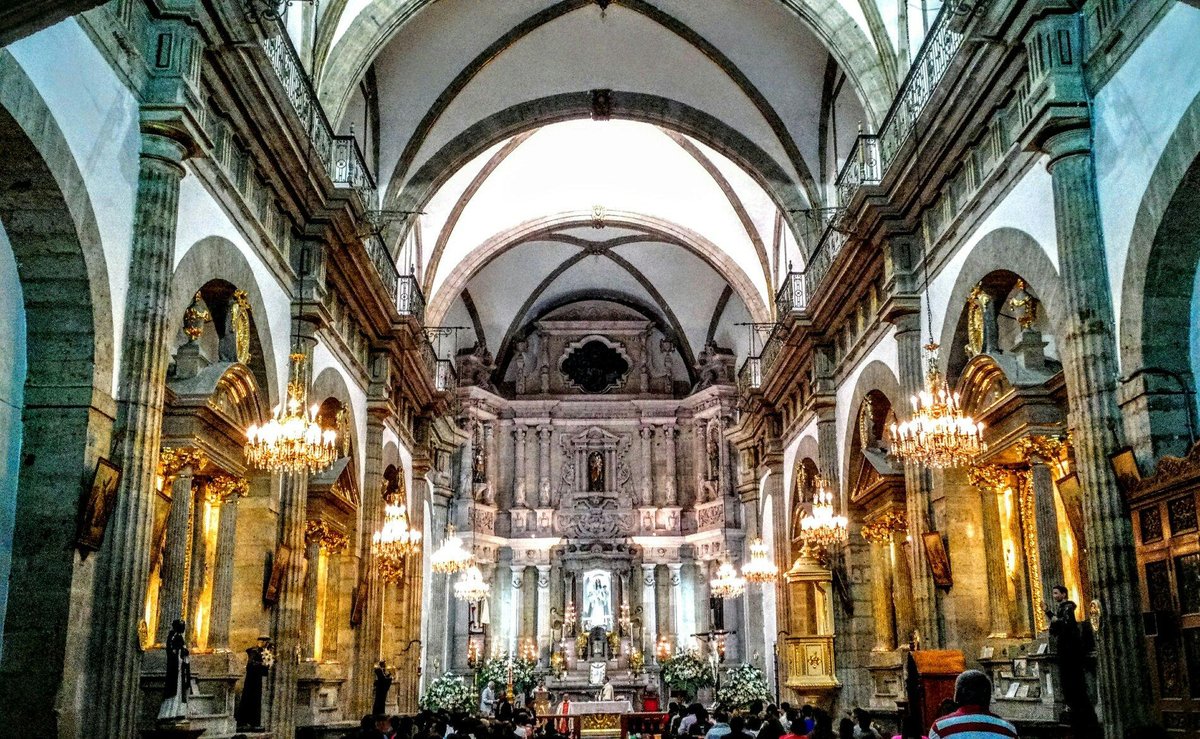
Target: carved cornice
222,487
990,477
881,529
173,459
325,536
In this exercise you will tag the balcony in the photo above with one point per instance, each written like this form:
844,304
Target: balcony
749,376
385,267
790,298
862,167
821,260
410,301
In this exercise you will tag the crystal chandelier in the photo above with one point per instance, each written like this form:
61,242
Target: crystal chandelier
820,529
451,556
727,583
293,440
470,586
938,434
760,568
395,541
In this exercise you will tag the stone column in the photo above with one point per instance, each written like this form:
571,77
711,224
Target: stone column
919,487
670,493
308,618
124,563
178,541
725,474
543,614
882,593
544,466
1088,350
699,458
516,606
649,612
646,439
675,600
279,710
368,637
519,434
222,599
199,567
492,466
1049,549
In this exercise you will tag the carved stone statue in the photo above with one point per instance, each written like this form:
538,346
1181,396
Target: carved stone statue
179,677
258,663
714,451
982,329
519,366
595,472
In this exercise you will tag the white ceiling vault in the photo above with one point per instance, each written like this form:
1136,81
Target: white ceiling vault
660,154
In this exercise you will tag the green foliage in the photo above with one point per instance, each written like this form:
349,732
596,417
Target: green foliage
687,672
496,670
448,693
742,685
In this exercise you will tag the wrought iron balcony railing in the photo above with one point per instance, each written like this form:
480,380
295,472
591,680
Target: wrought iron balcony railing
446,377
862,167
750,375
385,267
411,301
821,260
790,298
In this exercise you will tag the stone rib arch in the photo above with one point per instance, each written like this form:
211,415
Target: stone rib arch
440,302
370,32
673,115
1001,250
331,383
67,418
217,258
874,377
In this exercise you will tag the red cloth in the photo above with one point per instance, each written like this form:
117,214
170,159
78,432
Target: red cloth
650,705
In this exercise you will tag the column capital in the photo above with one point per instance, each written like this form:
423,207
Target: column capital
173,460
1069,143
648,574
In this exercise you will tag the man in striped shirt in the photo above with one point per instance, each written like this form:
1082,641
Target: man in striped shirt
972,720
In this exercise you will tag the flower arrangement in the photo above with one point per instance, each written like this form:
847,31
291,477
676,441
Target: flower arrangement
496,670
449,694
687,672
743,684
581,645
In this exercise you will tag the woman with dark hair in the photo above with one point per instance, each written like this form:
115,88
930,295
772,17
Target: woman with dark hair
822,725
846,729
771,729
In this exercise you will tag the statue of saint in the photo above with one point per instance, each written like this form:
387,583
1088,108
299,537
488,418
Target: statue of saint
519,366
258,663
596,605
595,472
383,683
178,683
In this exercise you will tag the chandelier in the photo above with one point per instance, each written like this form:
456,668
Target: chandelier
760,568
293,440
727,583
471,587
938,434
395,541
451,556
820,529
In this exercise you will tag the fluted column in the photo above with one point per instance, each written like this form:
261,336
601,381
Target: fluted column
675,599
493,457
918,484
882,595
699,458
368,637
516,604
725,473
286,626
544,466
178,541
124,566
646,439
670,442
519,435
1088,350
199,567
222,599
308,617
543,613
649,612
1049,549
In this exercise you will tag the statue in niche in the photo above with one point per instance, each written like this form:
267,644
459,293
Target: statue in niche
595,472
982,328
714,450
1024,305
597,603
478,458
660,364
519,366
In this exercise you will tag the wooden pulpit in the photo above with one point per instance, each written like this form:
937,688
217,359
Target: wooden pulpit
931,676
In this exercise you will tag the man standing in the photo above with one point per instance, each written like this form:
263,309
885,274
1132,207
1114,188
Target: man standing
973,694
487,700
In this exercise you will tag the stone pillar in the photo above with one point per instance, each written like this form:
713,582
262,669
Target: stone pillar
670,493
516,606
279,706
1088,350
919,487
519,434
123,569
882,592
199,567
368,637
725,474
543,614
1049,549
646,437
997,579
675,600
177,545
699,458
308,618
544,466
222,600
492,466
649,611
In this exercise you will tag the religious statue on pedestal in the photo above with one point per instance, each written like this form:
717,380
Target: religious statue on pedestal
179,677
595,472
258,663
597,603
383,683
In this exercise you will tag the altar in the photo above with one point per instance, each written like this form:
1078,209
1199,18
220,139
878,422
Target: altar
587,708
600,718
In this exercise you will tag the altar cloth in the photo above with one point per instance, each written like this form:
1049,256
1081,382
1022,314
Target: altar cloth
588,708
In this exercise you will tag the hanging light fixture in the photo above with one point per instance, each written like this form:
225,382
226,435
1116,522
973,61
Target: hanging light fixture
470,586
451,556
820,529
293,440
727,583
938,434
760,568
395,541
